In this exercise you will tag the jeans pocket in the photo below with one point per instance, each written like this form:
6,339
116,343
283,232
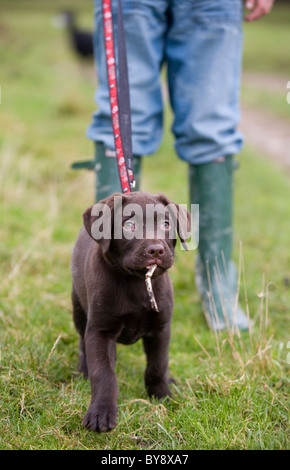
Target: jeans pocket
217,10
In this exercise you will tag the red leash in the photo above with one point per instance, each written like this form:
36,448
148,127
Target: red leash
119,97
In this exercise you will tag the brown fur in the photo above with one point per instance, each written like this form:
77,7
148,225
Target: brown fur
111,304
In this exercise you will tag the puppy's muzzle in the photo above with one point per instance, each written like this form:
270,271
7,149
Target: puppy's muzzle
155,253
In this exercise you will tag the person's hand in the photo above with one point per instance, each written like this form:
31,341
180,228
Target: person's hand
258,8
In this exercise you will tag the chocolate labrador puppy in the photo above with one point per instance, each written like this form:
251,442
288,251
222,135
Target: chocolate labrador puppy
123,236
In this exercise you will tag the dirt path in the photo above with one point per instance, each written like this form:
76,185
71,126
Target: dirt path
267,82
268,133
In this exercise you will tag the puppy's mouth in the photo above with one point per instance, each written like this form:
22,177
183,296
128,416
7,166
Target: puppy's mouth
156,261
138,265
141,272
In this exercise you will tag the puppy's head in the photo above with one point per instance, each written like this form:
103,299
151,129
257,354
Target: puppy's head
137,230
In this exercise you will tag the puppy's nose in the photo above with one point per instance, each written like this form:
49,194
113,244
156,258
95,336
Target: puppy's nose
155,250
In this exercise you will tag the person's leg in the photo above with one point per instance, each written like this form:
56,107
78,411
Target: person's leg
204,50
211,186
145,25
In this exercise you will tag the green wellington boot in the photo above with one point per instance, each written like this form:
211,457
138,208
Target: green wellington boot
106,168
211,186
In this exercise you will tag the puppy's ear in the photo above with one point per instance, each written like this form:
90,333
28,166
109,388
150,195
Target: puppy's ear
180,217
98,225
98,222
88,220
183,225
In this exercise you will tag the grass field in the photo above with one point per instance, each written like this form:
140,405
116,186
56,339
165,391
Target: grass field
231,392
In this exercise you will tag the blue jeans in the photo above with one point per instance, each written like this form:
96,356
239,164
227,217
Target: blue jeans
201,43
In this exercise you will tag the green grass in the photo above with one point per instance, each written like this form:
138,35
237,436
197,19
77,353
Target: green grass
266,43
230,391
266,52
273,102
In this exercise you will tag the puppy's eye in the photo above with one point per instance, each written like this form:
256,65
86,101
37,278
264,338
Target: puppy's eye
165,225
129,225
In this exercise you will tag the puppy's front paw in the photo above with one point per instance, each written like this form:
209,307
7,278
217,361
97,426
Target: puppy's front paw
160,390
101,417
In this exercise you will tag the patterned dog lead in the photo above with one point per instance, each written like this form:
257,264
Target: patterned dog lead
119,95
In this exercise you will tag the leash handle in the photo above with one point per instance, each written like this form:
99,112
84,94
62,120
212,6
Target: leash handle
119,95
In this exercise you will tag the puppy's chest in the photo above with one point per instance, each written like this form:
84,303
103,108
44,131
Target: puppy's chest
137,318
124,308
126,297
135,326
